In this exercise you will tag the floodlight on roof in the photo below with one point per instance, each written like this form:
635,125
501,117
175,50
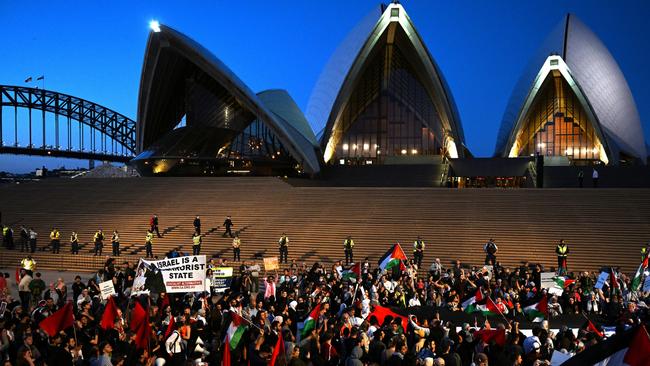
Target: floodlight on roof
154,25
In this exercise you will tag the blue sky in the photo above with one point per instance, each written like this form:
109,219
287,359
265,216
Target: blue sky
94,49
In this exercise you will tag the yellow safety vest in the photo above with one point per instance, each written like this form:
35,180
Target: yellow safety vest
28,264
98,235
149,238
416,243
54,235
5,230
348,243
562,250
196,239
236,243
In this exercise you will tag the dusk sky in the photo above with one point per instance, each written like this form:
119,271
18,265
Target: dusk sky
94,50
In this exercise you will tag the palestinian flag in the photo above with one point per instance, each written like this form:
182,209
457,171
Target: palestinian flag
563,282
638,276
352,272
537,312
310,323
236,329
469,305
392,258
628,349
616,288
490,308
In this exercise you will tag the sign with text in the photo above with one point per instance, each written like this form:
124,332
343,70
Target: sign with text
221,279
602,279
107,288
271,264
172,275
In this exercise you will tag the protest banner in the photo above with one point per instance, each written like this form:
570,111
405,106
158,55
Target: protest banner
107,288
548,282
221,279
601,280
271,264
172,275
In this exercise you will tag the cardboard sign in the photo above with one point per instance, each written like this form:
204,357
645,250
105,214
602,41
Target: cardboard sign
172,275
271,264
602,279
548,282
107,289
221,279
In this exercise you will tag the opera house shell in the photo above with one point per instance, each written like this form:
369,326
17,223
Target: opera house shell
195,117
573,102
383,100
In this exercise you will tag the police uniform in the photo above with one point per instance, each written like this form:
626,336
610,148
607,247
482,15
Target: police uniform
284,248
562,251
148,244
55,241
490,249
236,249
348,245
74,243
196,243
418,251
99,242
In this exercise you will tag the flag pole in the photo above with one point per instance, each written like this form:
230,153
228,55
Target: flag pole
74,327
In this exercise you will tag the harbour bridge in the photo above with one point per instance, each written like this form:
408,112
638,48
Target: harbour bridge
47,123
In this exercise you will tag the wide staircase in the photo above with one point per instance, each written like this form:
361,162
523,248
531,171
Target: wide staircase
604,227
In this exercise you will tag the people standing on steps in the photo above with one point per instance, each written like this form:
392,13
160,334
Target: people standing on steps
594,177
418,251
24,239
562,251
55,241
236,250
32,240
581,178
284,247
490,248
74,243
148,244
227,224
348,246
197,224
196,242
8,237
153,222
115,242
99,242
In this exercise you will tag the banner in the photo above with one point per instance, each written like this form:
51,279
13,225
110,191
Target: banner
172,275
549,284
646,284
601,280
107,289
221,279
271,264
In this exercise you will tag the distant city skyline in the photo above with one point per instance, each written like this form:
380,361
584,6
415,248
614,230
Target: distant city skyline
95,51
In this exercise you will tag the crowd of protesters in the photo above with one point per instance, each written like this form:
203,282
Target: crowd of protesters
347,330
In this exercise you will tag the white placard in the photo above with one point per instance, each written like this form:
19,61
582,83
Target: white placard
180,274
107,289
601,280
548,282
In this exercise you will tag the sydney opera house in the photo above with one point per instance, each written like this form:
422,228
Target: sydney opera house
383,101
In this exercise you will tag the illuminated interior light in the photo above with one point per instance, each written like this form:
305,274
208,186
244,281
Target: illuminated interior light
403,151
414,151
354,146
345,147
366,146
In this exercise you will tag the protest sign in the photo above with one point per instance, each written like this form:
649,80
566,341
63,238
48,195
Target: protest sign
548,282
172,275
271,264
221,279
602,279
646,284
107,289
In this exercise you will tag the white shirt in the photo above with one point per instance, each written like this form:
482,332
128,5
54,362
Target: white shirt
173,343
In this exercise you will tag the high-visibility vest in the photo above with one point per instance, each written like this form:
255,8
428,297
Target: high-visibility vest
54,235
28,264
561,250
196,239
5,230
418,245
236,243
149,238
348,243
99,236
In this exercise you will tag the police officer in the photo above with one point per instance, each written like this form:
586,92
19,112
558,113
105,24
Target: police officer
28,264
24,239
227,223
562,251
55,242
8,237
284,247
196,243
115,243
348,245
490,248
418,251
74,243
148,244
99,242
197,224
236,248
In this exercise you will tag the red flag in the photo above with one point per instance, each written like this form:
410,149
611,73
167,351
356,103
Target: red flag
226,352
488,335
614,281
592,328
381,313
637,353
60,320
110,313
278,350
140,325
171,326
